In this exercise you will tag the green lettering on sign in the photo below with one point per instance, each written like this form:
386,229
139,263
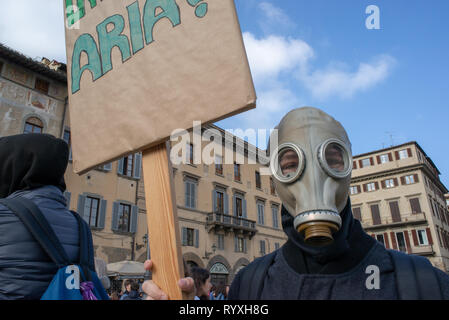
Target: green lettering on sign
170,10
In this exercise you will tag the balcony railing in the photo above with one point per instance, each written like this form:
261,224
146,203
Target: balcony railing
411,219
423,250
227,222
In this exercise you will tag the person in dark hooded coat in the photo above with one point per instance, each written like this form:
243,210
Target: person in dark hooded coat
32,166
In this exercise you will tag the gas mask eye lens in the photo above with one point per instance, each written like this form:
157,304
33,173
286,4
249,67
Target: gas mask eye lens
334,157
287,162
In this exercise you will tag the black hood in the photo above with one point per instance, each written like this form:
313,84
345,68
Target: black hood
29,161
350,244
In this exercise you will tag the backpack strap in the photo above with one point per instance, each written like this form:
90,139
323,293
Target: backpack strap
254,276
415,277
86,252
36,223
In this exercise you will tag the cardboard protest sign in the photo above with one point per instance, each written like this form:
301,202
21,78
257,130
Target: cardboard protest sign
137,70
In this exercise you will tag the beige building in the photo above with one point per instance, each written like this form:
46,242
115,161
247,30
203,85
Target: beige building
397,195
228,214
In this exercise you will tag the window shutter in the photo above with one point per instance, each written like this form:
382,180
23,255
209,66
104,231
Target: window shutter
244,208
234,205
409,152
360,164
395,214
371,160
395,180
415,238
357,213
137,165
375,214
415,177
214,201
101,218
390,156
354,164
193,187
67,196
393,241
359,189
236,244
387,242
81,202
197,238
186,194
184,236
365,188
403,180
429,236
407,242
414,204
226,203
383,184
115,213
120,166
378,159
244,246
134,217
107,166
376,185
396,154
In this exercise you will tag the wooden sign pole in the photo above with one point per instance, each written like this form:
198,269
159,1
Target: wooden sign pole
162,220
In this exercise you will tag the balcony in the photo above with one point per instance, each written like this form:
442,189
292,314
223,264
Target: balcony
423,250
406,220
227,223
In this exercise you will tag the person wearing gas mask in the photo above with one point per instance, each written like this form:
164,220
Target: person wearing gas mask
327,255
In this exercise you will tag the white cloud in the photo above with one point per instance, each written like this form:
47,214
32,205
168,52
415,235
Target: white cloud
271,55
35,28
334,81
274,17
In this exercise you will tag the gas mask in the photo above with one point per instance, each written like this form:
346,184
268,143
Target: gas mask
312,168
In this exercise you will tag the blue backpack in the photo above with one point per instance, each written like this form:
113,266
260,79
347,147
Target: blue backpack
73,281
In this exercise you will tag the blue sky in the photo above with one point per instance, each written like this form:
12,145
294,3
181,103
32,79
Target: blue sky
385,86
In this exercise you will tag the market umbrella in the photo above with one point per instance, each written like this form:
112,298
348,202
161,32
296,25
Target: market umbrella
126,268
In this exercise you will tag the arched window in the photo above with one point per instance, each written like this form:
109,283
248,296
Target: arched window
33,125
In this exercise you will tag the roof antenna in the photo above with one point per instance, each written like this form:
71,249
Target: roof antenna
391,137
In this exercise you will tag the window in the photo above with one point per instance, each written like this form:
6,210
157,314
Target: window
380,238
276,245
219,198
262,247
238,207
415,205
389,183
366,162
272,187
190,237
403,154
353,190
220,242
384,158
91,211
375,214
33,125
422,238
371,186
1,66
237,172
124,217
394,209
240,244
130,166
409,179
218,165
67,138
275,215
260,212
357,213
190,193
401,241
258,181
42,85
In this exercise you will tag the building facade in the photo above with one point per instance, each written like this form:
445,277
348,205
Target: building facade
398,197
